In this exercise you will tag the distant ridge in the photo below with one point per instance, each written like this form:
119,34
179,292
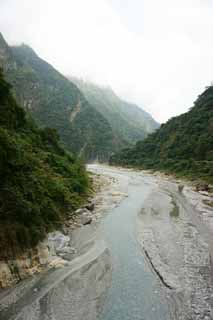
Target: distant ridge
129,122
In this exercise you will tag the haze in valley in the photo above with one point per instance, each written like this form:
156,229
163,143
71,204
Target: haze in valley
157,54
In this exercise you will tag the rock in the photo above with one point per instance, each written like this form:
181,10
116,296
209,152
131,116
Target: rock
58,241
6,277
23,265
81,211
58,263
43,253
86,219
120,194
202,187
61,246
66,228
68,250
67,253
49,253
70,214
90,206
84,216
204,193
77,224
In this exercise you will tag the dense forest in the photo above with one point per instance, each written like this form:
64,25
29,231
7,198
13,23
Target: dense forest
183,145
41,183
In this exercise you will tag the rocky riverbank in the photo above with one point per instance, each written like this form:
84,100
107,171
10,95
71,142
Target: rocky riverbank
176,234
57,248
174,229
75,273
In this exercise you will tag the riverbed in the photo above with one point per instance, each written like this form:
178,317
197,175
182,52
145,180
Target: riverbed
135,292
146,256
171,276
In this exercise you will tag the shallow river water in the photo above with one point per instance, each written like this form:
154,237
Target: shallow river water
135,292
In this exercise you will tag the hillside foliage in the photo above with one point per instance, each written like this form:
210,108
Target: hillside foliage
183,145
40,184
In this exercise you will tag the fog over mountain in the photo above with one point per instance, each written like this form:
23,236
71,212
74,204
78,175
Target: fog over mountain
154,53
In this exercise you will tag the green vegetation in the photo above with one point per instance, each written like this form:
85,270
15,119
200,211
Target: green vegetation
56,102
184,145
129,122
40,182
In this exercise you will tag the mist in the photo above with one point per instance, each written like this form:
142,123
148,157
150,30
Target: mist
156,54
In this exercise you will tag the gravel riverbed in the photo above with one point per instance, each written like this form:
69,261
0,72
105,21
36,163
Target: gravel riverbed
145,252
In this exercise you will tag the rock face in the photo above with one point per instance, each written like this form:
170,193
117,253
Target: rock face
25,265
55,251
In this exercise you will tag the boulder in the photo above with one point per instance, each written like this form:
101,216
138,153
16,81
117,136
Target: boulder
90,206
57,241
85,219
58,263
67,253
81,211
84,216
202,187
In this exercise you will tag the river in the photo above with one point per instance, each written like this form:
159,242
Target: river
146,258
135,293
157,223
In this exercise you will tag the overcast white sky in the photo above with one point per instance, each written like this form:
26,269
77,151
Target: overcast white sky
158,54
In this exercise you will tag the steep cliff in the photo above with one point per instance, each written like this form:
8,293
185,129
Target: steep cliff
56,102
41,183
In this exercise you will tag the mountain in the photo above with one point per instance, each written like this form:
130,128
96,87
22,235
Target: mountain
92,122
129,122
41,183
184,145
56,102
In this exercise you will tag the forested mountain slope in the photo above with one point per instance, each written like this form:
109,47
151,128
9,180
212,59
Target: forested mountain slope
40,182
184,145
129,122
56,102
